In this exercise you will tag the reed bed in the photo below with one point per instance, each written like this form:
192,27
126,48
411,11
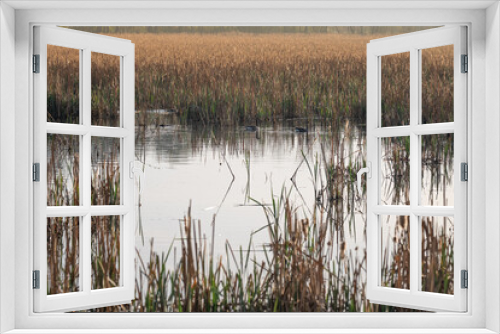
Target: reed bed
238,78
63,80
63,234
63,189
234,79
308,265
302,272
63,240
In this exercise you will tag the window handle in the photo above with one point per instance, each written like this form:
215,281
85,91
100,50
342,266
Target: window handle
142,177
368,171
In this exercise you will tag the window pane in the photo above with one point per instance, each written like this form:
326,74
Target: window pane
105,89
63,170
63,90
437,84
395,171
437,254
395,90
105,252
63,255
437,170
395,251
105,171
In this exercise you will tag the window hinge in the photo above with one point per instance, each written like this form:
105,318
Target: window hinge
36,279
464,279
36,172
464,171
36,63
465,63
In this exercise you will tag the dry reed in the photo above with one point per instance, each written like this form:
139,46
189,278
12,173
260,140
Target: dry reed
229,80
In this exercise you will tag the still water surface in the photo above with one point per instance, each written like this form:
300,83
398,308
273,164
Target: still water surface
226,174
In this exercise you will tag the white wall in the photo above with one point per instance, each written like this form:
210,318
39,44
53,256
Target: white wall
492,149
304,17
7,160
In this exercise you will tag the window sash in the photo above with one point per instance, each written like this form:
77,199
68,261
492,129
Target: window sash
85,298
413,43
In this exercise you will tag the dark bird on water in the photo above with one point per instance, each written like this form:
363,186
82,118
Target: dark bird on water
251,128
299,129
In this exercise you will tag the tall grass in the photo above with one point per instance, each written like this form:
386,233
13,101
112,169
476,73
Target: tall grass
63,244
234,79
307,265
63,85
63,189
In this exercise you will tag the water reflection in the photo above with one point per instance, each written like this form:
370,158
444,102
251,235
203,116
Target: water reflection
232,172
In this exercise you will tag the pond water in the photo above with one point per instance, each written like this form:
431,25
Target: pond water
229,173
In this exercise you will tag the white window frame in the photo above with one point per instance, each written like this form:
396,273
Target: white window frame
86,44
484,50
414,43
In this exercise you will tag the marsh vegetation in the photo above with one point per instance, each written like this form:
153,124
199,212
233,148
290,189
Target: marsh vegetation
196,94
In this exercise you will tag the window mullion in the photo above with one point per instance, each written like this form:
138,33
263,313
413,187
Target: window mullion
433,129
392,131
405,210
81,225
414,169
85,258
109,210
399,210
85,245
110,132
